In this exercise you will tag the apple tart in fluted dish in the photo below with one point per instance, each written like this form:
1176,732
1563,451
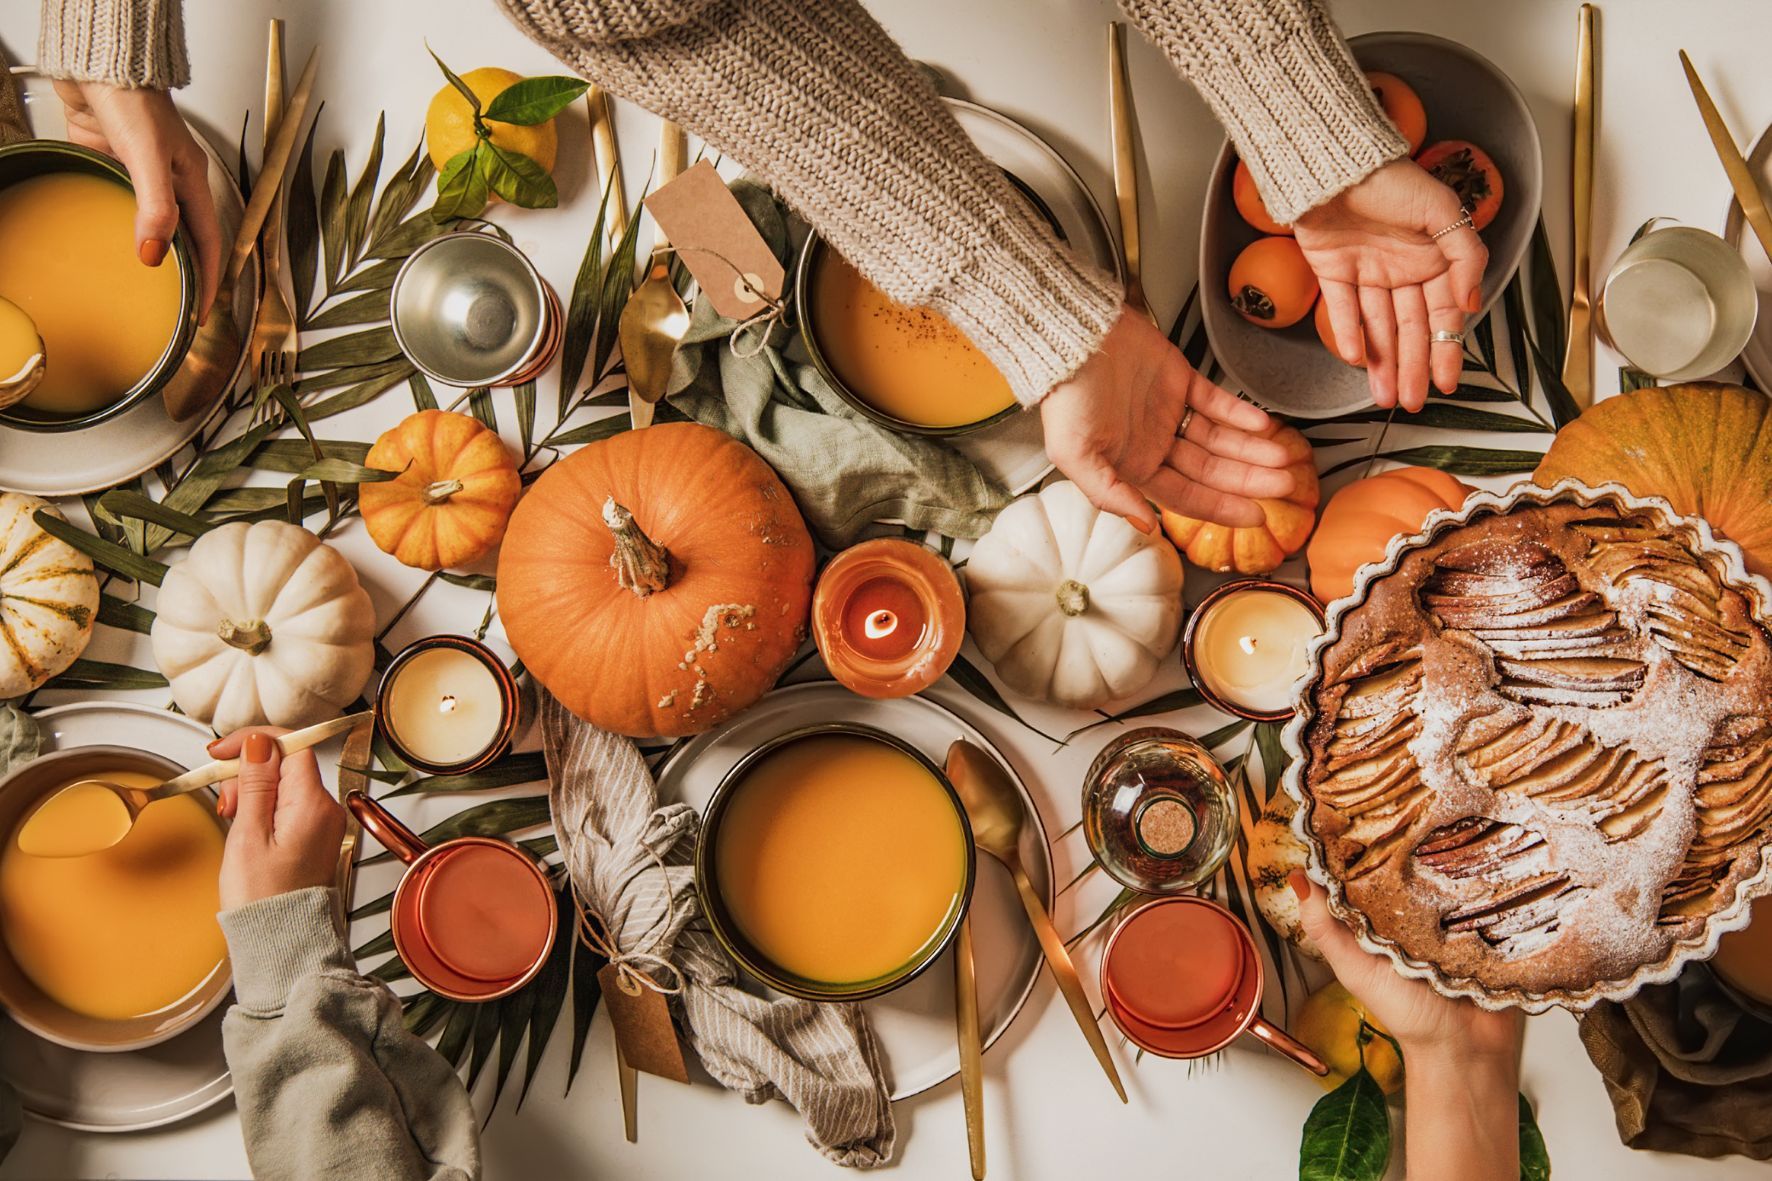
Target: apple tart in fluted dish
1536,747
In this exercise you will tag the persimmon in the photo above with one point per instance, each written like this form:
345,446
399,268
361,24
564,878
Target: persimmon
1271,284
1469,172
1249,203
1327,335
1401,105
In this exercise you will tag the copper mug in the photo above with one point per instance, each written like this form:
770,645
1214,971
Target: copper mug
1182,979
473,918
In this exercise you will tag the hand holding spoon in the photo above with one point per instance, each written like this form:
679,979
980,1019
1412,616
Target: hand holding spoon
92,815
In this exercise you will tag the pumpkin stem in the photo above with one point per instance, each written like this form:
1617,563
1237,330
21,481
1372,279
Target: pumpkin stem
441,491
1073,597
251,638
641,564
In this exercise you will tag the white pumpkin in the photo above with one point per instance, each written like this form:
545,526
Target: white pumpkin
263,623
1071,604
48,598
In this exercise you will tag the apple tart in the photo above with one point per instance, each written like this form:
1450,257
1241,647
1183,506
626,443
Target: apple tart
1536,747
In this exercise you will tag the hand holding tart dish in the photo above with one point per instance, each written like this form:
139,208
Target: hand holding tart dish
1534,749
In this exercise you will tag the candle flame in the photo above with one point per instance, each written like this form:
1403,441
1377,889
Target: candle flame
880,624
1247,643
447,705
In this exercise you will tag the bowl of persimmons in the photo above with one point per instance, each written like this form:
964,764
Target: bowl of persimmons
1465,122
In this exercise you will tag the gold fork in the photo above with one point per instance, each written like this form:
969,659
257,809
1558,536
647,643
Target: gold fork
275,342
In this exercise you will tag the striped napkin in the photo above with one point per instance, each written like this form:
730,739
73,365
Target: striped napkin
632,864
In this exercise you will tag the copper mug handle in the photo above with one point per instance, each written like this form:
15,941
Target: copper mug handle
1281,1042
399,840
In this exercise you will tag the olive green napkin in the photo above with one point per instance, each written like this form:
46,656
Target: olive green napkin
13,126
1687,1069
845,471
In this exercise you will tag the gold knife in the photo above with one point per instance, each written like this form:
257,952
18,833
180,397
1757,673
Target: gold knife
1125,166
1578,361
1741,178
971,1046
270,177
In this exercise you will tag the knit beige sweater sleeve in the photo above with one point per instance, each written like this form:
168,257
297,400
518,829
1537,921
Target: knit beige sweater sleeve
123,42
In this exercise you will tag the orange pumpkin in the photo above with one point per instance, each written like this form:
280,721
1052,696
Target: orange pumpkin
1704,446
457,485
1360,520
657,582
1256,549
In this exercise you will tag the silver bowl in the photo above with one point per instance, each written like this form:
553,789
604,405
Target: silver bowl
470,309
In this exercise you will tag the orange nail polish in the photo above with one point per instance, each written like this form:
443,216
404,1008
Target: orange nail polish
1300,884
153,251
259,748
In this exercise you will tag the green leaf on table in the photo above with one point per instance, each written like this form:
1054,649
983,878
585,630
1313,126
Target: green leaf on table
1226,732
242,169
422,395
363,194
21,738
421,1012
618,285
494,818
550,990
1273,755
461,87
1120,902
455,1033
122,502
368,347
1535,1162
1347,1136
513,1023
1556,395
479,582
518,178
302,225
485,1035
481,407
349,375
101,674
410,234
1513,301
1171,702
976,683
1460,461
535,100
581,310
590,432
1634,379
1549,313
108,554
124,615
365,391
510,771
1445,416
523,396
1481,393
401,191
333,199
208,474
377,276
369,307
343,471
462,187
295,455
587,990
1483,334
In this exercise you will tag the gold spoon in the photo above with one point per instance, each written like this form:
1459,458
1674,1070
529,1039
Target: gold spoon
16,387
966,1026
655,318
117,806
997,813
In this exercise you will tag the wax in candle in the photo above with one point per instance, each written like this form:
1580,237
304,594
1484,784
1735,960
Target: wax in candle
1250,648
445,706
884,619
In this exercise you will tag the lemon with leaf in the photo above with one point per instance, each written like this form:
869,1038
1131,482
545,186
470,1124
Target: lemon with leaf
1329,1022
491,133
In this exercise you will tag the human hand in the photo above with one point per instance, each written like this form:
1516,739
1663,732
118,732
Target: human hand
1112,429
286,829
145,132
1378,264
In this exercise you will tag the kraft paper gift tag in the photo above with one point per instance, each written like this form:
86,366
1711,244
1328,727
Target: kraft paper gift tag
643,1027
737,271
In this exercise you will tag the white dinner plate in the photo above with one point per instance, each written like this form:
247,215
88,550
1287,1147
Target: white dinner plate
915,1023
1014,452
74,463
137,1089
1757,356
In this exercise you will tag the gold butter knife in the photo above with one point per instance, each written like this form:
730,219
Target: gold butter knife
1125,166
270,176
1578,360
1741,178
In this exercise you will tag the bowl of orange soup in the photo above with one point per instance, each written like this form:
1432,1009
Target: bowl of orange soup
118,949
113,330
835,863
906,368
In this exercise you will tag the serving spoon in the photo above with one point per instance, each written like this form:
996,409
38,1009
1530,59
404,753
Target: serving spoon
655,318
116,807
997,814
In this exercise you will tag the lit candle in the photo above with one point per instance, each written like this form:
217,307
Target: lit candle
884,619
445,705
888,617
1246,646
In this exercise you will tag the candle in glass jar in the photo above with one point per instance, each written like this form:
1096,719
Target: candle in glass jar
444,706
1249,647
888,617
884,618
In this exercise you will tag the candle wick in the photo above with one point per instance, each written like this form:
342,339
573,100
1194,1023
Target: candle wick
1247,643
880,624
447,705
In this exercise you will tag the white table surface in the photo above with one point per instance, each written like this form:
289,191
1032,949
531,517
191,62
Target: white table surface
1049,1113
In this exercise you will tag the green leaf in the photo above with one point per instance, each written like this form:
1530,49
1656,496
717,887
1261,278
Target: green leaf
524,398
349,375
333,200
100,674
365,391
1513,299
363,194
1120,901
979,685
581,310
371,307
377,276
208,474
485,1036
1447,416
295,455
590,432
618,285
343,471
513,1022
1273,755
517,178
421,1013
1462,461
479,582
1482,393
118,613
528,767
1171,702
535,100
410,234
108,554
294,505
1347,1136
1224,733
1549,312
480,406
1562,404
491,819
586,992
21,738
461,87
462,188
302,225
124,503
357,348
550,990
1483,333
1535,1162
454,1042
397,197
1634,379
422,397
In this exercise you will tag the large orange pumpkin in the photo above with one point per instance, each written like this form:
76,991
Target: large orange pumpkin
658,581
1360,520
1705,447
1256,549
457,485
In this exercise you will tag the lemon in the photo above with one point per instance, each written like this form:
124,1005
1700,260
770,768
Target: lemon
449,123
1329,1023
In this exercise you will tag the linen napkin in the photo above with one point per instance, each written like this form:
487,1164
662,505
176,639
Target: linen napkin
845,471
1687,1070
632,864
13,126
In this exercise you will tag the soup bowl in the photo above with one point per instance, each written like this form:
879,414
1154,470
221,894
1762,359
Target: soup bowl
27,1004
40,157
729,930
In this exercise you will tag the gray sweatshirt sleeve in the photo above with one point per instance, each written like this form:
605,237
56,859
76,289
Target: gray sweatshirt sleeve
328,1080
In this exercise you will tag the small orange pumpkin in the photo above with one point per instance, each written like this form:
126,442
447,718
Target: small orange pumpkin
1256,549
1360,520
458,483
1704,446
658,581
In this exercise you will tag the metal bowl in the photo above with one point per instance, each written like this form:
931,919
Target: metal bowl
470,309
726,929
41,157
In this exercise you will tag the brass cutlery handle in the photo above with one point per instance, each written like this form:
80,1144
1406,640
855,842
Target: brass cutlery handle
628,1082
971,1045
1065,972
608,159
1578,360
1125,166
289,744
272,169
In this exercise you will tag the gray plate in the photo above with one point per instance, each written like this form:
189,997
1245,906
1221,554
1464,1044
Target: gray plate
1288,370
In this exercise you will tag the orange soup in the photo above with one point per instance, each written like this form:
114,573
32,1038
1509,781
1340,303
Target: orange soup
68,245
840,858
1744,957
909,363
127,931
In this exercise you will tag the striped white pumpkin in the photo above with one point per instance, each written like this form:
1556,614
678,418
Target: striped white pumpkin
48,598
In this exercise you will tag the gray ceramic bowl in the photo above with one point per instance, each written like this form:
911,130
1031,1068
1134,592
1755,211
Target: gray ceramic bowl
39,157
1288,370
